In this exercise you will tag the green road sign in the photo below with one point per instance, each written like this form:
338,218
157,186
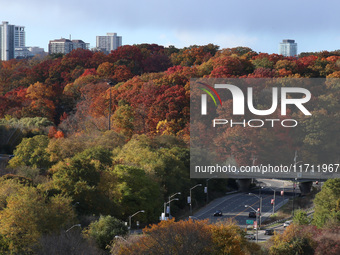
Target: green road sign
249,222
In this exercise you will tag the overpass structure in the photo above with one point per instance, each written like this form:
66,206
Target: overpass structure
304,179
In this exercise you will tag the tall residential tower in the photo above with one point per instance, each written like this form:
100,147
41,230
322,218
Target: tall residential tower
288,48
109,42
11,37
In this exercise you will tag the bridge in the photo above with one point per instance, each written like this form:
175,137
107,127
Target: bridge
303,179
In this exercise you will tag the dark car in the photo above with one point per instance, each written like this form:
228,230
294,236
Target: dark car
218,213
252,215
269,232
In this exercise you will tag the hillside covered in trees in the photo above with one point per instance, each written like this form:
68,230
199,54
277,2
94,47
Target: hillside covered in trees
68,167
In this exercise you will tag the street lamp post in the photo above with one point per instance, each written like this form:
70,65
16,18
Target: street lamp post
294,188
141,211
110,84
295,179
251,194
257,227
190,196
178,193
169,205
207,187
273,199
77,225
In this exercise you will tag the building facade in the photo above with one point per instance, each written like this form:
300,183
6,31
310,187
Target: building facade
288,48
109,42
19,37
65,46
6,41
28,52
11,37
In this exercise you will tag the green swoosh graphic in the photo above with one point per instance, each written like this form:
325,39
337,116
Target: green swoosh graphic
208,92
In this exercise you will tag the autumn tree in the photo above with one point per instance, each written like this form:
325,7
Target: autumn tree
193,55
129,56
228,238
188,237
301,218
105,69
60,149
32,152
328,241
135,191
78,178
123,120
26,214
294,240
167,163
327,204
183,237
104,230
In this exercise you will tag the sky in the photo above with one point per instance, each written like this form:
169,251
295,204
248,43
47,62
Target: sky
258,24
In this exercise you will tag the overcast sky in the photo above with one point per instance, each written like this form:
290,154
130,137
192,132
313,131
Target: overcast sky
258,24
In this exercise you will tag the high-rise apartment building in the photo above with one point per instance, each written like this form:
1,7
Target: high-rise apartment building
65,46
109,42
6,41
11,37
19,36
288,48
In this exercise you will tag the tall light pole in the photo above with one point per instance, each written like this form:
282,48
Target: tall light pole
77,225
141,211
190,196
207,187
169,205
257,227
111,84
294,187
251,194
295,180
178,193
273,199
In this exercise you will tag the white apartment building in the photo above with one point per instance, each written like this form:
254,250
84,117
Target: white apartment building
11,37
288,48
65,46
109,42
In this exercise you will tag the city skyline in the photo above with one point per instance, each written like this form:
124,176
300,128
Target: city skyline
261,25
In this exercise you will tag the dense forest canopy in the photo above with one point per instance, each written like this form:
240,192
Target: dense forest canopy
55,114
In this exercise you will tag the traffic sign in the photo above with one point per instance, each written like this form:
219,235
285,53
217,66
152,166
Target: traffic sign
249,222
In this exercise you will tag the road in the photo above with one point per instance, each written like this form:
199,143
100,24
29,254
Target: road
233,205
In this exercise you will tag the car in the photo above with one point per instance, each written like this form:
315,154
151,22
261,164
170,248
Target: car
287,223
251,237
218,213
269,232
252,214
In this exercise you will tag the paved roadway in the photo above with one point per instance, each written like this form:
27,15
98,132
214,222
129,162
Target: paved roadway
233,205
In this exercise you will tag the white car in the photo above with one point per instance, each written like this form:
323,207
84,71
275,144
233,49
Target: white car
287,223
